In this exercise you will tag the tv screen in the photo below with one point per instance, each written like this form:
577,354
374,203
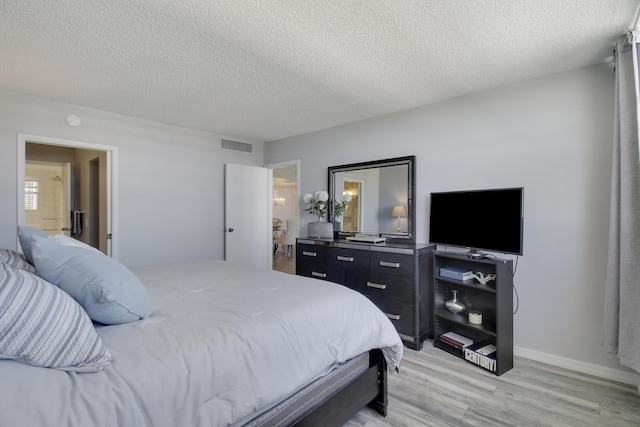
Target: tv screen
480,219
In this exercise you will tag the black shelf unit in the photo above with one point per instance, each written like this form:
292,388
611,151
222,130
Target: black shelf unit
494,300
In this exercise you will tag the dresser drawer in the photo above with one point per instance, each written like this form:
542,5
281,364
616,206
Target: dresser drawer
320,271
401,315
381,286
311,253
348,258
391,263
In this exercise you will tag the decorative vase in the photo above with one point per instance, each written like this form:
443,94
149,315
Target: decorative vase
321,230
337,226
454,305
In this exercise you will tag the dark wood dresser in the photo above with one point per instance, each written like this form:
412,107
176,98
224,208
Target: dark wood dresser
397,277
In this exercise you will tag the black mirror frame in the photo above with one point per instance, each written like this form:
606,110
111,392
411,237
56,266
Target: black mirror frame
410,161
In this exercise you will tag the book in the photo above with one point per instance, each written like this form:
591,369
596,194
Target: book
367,238
483,355
456,340
450,343
456,273
487,350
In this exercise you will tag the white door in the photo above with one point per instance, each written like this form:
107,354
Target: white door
247,215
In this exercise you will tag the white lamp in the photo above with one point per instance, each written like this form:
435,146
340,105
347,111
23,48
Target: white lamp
400,212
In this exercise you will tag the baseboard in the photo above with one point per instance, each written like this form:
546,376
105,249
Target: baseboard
624,377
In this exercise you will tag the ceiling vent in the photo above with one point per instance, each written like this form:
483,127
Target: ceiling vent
237,146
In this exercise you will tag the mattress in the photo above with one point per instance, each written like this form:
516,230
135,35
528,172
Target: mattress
223,343
296,406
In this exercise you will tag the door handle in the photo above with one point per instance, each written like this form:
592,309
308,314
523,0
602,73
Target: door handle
230,230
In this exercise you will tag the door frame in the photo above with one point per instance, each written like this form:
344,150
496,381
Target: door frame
112,179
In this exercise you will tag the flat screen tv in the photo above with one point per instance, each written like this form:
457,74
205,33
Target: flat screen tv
490,220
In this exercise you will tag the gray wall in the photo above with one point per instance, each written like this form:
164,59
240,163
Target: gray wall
554,137
171,180
393,191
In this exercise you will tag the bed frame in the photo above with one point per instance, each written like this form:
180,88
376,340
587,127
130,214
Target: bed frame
369,389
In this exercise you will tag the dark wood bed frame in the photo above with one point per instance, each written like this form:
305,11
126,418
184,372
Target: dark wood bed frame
369,389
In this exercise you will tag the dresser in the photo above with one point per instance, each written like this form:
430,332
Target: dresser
397,277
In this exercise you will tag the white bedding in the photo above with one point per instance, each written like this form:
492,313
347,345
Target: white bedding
222,342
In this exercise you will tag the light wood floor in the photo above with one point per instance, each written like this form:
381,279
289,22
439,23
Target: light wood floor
435,388
284,264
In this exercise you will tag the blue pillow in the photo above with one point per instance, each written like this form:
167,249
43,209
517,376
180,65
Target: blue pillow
108,291
24,235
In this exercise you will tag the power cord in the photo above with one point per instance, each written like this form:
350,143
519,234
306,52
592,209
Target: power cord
515,268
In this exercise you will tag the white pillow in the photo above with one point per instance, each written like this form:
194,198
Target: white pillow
43,326
70,241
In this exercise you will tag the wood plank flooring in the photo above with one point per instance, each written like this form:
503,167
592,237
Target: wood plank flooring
284,264
435,388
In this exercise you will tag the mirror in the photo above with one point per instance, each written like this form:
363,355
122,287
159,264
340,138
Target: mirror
379,198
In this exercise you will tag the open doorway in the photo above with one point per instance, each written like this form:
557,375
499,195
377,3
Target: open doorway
285,198
66,187
47,196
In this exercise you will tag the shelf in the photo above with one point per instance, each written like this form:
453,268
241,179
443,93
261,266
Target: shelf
462,256
494,300
461,319
472,284
446,347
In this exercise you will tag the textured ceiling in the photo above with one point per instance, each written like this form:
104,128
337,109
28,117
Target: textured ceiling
264,70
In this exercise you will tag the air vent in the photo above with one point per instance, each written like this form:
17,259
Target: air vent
237,146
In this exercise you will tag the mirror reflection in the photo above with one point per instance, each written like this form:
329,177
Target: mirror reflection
378,197
351,217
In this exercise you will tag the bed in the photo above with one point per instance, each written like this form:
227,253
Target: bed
224,345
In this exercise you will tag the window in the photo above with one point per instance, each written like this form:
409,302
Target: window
31,195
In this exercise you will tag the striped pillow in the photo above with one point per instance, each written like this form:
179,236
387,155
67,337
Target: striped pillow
43,326
15,259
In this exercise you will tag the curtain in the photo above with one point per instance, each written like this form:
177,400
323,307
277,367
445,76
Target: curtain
621,333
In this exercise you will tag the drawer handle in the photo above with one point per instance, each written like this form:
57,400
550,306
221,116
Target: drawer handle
390,264
316,274
345,258
376,285
393,316
307,253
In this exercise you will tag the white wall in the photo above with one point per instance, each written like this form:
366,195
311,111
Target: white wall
554,137
171,180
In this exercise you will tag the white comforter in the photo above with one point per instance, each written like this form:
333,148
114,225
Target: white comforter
223,341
